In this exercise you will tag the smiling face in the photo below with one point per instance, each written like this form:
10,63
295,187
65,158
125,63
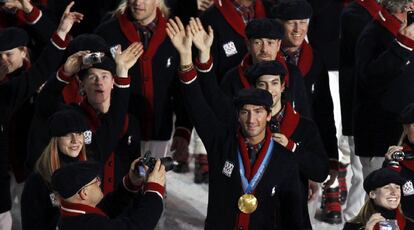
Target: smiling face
71,144
13,58
273,85
98,84
144,11
387,196
253,121
295,32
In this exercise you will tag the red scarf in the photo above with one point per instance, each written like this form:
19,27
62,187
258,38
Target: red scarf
290,121
371,6
71,209
145,66
233,18
243,219
389,21
94,124
305,58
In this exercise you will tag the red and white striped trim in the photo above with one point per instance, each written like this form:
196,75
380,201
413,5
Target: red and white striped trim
122,82
34,16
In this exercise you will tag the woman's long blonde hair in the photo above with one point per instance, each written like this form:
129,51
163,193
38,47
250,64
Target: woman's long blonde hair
123,5
49,161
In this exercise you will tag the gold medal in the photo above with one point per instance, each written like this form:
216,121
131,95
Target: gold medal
247,203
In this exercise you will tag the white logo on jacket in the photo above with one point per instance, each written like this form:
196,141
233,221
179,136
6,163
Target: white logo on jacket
408,188
88,137
228,168
230,49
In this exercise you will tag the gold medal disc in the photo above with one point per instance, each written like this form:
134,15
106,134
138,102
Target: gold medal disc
247,203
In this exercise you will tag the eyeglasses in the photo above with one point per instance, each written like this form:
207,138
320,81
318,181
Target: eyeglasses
96,180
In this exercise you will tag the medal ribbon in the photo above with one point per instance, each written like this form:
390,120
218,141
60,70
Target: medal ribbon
249,187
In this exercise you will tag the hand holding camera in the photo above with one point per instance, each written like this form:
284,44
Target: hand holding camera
373,220
74,63
150,162
157,174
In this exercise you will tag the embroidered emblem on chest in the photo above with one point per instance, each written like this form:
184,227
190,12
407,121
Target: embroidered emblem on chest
229,49
408,188
228,168
88,137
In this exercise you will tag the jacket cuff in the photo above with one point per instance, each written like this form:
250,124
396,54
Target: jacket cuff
121,82
34,16
62,77
291,145
58,42
187,77
156,188
129,186
183,132
204,67
405,42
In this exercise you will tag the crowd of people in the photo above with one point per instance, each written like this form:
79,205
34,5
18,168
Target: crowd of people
95,94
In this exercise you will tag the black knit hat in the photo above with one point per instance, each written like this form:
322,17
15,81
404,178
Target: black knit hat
382,177
70,178
265,68
264,28
407,115
253,96
107,64
91,42
13,37
292,10
66,121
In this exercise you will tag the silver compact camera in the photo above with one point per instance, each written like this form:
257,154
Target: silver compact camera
388,225
93,58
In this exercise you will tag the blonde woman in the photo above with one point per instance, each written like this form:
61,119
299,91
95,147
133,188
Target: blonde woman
39,207
384,187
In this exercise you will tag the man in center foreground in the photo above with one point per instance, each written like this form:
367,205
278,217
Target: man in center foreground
253,180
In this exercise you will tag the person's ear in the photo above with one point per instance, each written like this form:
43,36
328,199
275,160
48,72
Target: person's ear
83,194
372,195
269,115
405,128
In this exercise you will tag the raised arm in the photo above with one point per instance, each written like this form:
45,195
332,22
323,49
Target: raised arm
203,117
215,97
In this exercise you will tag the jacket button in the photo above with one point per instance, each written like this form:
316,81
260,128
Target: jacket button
110,179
